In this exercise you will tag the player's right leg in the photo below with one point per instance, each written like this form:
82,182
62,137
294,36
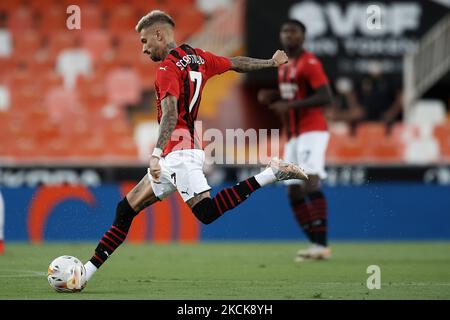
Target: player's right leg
140,197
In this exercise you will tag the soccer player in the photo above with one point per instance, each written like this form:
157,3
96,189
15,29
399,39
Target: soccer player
303,92
177,160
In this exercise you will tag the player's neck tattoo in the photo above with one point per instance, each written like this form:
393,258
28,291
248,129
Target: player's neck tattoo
170,46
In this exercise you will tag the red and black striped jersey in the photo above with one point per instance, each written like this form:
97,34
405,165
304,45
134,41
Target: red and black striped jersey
297,79
183,74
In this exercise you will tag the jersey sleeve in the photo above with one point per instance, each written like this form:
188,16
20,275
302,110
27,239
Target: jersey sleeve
315,73
215,64
168,81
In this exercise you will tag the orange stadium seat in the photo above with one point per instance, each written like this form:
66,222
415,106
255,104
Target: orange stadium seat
58,41
122,19
24,147
442,134
404,132
123,86
147,72
110,5
53,19
49,80
190,20
20,21
344,149
62,104
80,3
56,148
385,151
7,66
442,131
123,148
9,6
98,43
129,50
91,18
367,131
26,97
42,5
92,92
26,43
144,7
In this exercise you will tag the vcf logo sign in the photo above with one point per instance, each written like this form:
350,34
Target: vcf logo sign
164,221
344,19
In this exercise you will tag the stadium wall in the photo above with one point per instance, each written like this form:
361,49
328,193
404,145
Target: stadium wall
375,211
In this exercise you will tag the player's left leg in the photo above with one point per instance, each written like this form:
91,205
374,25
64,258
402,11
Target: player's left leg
140,197
208,209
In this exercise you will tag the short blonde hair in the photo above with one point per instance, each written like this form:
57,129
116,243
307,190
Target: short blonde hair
153,17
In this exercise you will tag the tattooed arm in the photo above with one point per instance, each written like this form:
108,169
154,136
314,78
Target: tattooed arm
168,121
246,64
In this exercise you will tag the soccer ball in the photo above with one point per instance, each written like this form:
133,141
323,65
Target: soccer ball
67,274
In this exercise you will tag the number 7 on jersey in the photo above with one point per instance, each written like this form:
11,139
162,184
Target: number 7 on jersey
196,77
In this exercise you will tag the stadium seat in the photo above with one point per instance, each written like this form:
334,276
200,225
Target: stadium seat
122,18
58,41
129,50
7,65
98,43
6,47
144,7
25,147
62,104
147,73
123,149
190,20
345,149
111,5
442,133
73,62
385,151
422,151
123,86
339,128
426,114
92,92
404,132
20,21
9,6
92,18
5,98
368,131
53,19
26,97
26,43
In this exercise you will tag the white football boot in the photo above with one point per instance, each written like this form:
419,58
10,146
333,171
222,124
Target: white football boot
286,171
314,252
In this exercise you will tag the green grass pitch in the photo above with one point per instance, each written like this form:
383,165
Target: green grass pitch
235,270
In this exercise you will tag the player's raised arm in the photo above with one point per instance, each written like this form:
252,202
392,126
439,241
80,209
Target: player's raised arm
166,127
247,64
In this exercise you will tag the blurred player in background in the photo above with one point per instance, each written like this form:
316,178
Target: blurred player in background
177,160
303,92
